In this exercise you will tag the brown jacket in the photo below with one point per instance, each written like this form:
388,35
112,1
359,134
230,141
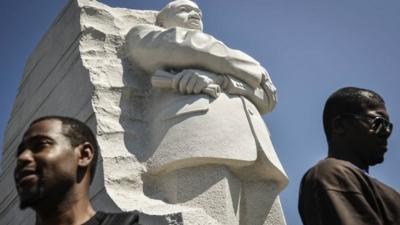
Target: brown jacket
335,192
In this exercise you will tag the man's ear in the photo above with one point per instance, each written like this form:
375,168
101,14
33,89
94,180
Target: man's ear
85,154
338,126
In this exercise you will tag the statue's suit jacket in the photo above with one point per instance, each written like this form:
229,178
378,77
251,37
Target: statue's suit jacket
192,130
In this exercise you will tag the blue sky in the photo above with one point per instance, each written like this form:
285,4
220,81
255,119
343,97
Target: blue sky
311,48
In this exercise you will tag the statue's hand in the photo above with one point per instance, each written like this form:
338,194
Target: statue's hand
191,81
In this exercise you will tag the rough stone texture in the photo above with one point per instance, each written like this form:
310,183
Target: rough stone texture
79,69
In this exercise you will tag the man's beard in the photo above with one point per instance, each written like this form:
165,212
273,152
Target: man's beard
29,198
41,195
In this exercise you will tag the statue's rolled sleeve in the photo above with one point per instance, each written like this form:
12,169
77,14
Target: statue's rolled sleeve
153,48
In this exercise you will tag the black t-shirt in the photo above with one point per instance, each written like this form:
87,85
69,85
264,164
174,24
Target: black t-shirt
124,218
134,218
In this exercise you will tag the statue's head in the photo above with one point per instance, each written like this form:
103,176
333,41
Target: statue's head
180,13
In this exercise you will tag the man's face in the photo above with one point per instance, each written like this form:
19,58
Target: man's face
369,146
184,14
46,164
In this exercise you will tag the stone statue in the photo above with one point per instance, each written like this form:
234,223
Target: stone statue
204,120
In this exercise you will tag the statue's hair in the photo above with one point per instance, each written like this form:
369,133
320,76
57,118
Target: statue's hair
164,11
348,100
77,132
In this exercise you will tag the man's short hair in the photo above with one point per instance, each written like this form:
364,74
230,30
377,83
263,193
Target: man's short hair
78,133
348,100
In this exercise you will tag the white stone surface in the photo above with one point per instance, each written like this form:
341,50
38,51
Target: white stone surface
81,69
191,127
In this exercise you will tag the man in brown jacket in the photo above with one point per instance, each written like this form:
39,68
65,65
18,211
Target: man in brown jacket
338,189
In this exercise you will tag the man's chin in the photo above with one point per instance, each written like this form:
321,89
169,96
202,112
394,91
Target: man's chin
196,27
377,160
193,24
29,199
23,204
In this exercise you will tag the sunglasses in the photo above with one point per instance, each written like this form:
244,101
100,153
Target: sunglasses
377,123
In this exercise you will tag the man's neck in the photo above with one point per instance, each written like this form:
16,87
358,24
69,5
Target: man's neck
74,210
347,155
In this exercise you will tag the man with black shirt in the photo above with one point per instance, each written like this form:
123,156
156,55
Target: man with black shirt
56,162
338,189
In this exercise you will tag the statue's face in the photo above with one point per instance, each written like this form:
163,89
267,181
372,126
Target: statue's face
183,13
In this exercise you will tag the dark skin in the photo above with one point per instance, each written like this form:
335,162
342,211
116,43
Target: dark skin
52,176
355,141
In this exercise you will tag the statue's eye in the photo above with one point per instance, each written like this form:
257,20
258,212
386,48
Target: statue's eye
183,9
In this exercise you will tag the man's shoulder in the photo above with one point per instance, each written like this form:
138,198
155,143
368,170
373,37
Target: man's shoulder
331,166
135,218
334,174
142,29
121,217
108,218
